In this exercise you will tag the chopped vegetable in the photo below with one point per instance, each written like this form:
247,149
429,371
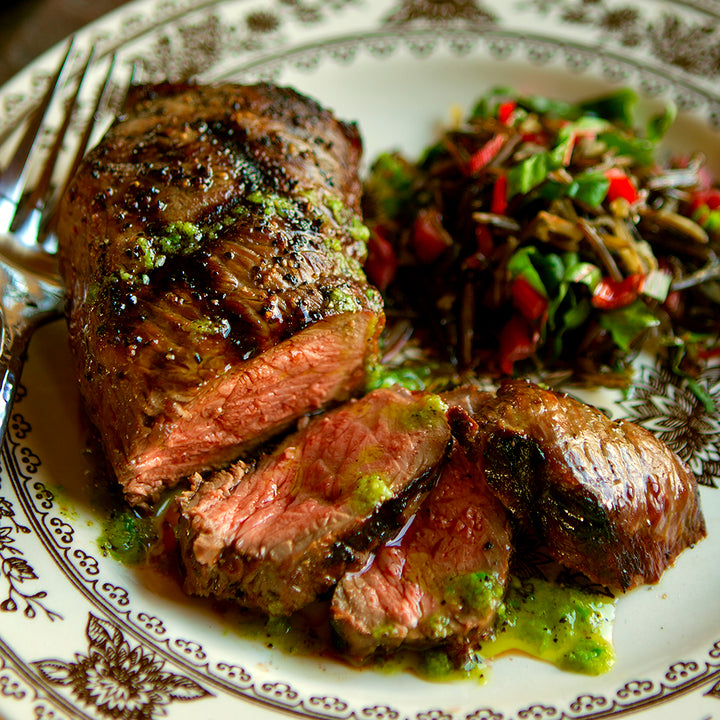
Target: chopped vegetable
613,294
381,263
430,239
620,186
553,236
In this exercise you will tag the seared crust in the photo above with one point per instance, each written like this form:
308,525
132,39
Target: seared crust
608,498
200,241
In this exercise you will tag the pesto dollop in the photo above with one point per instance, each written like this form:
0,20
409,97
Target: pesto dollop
478,592
127,536
372,491
426,413
569,627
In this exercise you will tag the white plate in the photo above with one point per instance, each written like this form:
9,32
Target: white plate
83,636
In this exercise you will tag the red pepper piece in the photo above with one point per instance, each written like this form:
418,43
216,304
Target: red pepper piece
709,198
518,341
430,239
484,239
506,111
710,353
532,304
485,246
381,264
612,294
537,138
621,186
482,157
498,204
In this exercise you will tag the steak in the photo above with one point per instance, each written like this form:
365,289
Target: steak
609,499
440,581
276,536
212,251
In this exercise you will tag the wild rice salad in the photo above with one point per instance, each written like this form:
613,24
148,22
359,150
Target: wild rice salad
548,237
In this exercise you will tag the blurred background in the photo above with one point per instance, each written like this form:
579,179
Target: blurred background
29,27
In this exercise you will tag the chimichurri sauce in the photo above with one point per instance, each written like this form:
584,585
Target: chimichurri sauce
567,626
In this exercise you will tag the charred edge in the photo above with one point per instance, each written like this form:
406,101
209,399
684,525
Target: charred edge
463,427
580,516
391,516
518,472
255,172
513,465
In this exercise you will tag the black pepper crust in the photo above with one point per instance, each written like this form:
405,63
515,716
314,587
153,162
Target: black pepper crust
210,224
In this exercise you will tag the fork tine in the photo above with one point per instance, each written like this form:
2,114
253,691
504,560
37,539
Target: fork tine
33,208
47,231
90,125
13,178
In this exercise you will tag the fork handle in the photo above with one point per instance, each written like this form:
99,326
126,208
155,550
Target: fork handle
11,363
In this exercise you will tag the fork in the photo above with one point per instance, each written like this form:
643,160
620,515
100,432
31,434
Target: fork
31,292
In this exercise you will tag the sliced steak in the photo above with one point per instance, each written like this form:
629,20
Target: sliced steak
211,247
608,498
440,581
276,537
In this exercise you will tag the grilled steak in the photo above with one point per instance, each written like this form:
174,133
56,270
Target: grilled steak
440,581
608,498
212,248
277,536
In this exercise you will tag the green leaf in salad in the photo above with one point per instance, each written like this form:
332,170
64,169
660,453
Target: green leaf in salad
576,313
658,125
486,105
521,265
639,149
528,174
584,125
551,268
389,186
617,107
589,188
626,324
541,105
570,312
568,308
556,277
581,272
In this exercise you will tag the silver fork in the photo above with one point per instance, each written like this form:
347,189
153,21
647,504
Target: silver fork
31,292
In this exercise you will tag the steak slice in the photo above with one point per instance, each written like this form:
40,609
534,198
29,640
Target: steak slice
608,498
212,250
440,581
277,536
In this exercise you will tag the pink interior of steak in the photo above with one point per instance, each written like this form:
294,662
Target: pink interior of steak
251,402
277,537
412,591
308,486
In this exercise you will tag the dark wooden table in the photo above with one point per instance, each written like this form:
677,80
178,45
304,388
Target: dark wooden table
29,27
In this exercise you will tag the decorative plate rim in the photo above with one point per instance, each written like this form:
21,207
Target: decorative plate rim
140,20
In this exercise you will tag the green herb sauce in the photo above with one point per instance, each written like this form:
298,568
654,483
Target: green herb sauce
383,376
568,627
426,412
127,537
477,592
371,491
